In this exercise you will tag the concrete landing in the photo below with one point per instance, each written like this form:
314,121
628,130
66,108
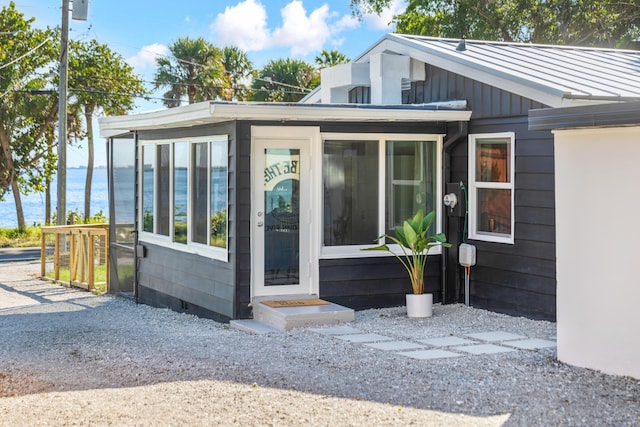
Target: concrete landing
269,319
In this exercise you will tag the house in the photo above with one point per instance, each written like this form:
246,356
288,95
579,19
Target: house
238,201
597,153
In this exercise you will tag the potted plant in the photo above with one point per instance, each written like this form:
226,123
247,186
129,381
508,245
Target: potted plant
415,244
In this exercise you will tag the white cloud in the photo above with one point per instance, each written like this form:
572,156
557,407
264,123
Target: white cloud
146,57
302,33
382,21
243,25
346,23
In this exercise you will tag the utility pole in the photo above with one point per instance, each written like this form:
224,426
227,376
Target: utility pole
79,13
62,117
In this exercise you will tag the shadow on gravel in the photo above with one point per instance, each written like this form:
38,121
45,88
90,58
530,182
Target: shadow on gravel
74,341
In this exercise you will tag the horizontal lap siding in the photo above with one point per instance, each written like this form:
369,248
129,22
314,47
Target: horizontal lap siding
361,283
340,280
516,279
520,279
176,277
184,281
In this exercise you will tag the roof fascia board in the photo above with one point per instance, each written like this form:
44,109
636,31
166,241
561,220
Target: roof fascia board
205,112
456,63
619,114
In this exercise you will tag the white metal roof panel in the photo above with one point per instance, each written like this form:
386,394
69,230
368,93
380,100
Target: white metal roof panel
565,71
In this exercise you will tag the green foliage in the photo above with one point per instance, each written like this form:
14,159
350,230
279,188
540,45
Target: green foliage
194,69
219,228
77,217
147,221
101,78
284,80
238,69
604,23
330,58
16,238
415,242
28,111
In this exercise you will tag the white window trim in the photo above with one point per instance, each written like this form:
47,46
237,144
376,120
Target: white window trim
474,186
191,247
355,251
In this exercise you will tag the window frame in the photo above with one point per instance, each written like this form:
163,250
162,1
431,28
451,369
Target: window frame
475,185
190,246
355,251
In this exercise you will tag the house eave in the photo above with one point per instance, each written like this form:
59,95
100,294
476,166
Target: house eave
601,115
217,112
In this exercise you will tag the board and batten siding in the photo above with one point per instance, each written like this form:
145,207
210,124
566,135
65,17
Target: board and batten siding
184,281
442,85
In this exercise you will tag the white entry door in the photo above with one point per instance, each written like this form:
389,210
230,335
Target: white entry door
281,208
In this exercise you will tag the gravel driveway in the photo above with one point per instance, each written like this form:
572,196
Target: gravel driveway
71,358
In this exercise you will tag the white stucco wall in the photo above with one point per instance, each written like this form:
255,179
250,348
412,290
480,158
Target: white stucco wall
597,174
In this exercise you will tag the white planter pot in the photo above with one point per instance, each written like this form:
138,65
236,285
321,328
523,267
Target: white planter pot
419,305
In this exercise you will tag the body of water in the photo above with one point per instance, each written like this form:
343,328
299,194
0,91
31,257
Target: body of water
33,204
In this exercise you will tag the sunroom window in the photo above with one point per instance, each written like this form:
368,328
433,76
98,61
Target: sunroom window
372,183
184,194
491,187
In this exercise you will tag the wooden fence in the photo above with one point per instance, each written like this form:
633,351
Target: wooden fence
76,255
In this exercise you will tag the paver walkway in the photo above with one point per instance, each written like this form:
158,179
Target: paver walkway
490,342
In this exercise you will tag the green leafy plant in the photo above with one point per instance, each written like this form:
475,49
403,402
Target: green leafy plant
415,242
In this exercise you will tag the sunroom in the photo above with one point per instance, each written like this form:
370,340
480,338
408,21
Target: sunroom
234,202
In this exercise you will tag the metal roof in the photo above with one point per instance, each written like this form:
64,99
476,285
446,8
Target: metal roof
554,75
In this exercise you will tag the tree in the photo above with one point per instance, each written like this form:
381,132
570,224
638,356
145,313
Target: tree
284,80
194,69
99,80
330,58
604,23
28,108
238,69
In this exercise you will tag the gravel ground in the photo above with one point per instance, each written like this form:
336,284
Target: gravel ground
71,358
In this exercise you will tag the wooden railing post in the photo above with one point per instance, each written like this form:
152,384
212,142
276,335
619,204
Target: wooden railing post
56,258
91,266
43,253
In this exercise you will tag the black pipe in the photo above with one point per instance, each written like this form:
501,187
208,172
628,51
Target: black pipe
459,134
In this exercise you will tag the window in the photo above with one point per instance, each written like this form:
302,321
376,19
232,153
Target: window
371,184
491,187
184,194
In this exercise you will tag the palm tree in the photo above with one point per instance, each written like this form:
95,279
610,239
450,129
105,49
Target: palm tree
330,58
284,80
193,69
238,69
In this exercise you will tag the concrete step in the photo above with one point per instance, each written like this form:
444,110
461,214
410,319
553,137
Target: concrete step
286,318
252,326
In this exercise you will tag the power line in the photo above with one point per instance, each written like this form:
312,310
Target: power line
25,55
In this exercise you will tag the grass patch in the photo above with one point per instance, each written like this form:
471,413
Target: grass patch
100,277
14,238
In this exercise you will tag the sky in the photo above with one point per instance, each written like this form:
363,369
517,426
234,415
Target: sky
141,30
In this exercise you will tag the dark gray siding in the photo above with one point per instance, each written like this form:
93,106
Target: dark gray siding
184,281
363,283
442,85
357,283
518,279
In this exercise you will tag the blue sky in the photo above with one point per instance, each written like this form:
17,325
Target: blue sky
140,30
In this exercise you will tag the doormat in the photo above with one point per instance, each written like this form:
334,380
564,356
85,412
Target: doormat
294,302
